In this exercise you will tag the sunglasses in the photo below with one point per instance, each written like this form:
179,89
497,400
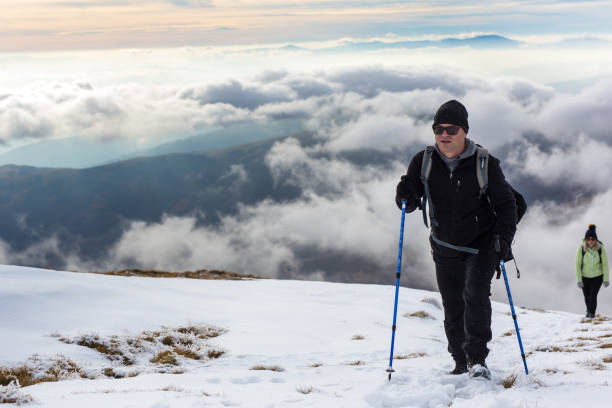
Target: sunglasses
451,130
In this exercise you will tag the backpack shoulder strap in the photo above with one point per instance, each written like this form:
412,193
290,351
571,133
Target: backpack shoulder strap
426,165
482,169
482,175
425,171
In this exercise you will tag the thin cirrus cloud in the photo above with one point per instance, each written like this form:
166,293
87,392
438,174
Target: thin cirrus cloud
63,25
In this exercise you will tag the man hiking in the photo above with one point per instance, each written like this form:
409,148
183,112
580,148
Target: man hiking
472,228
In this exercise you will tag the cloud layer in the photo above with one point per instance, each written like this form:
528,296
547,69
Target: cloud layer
345,219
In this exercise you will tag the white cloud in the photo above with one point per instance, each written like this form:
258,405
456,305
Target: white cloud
346,208
585,163
360,221
566,116
378,133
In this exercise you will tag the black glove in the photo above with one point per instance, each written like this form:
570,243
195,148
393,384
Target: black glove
405,193
502,249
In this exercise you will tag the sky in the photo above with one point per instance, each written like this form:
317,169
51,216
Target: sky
134,74
41,25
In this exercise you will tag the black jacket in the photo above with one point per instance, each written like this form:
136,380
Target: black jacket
465,218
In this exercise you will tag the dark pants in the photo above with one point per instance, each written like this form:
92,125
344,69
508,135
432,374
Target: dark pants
590,289
465,287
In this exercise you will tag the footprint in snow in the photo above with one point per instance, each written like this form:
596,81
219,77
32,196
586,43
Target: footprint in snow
245,380
428,390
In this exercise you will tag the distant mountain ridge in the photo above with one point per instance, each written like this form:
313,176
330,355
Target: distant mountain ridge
488,41
79,152
86,211
85,208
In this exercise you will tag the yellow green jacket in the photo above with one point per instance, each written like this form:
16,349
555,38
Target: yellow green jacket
589,265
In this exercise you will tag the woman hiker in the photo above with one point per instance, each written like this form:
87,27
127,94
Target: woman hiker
591,269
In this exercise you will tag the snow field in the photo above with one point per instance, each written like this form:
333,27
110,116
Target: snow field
330,343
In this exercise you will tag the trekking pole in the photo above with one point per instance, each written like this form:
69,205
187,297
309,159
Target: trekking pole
518,333
397,281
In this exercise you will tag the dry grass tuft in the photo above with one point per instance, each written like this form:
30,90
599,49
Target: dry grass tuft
407,356
199,274
605,336
22,375
302,389
607,359
187,353
267,368
356,363
94,342
63,367
556,349
605,346
594,365
535,309
357,337
555,371
599,319
432,301
173,388
420,314
109,372
165,357
508,333
11,394
165,347
202,332
509,381
36,371
215,353
315,365
168,340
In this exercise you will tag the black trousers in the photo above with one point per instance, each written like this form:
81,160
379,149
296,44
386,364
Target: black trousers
590,289
465,287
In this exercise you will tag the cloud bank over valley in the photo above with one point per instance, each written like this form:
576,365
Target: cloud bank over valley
326,209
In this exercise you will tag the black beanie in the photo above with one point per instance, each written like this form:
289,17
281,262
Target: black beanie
590,233
452,112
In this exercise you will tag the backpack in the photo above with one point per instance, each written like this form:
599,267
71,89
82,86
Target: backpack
482,167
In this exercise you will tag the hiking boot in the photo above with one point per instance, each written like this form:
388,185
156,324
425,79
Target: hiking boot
460,368
478,369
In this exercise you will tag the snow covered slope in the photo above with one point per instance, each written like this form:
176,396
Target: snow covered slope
278,344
